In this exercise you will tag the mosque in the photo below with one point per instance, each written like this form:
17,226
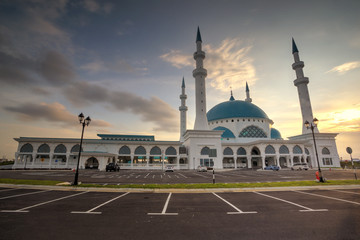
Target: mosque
233,134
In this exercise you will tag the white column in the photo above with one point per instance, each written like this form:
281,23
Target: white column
249,163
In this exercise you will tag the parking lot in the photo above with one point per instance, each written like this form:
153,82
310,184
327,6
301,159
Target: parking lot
180,176
304,214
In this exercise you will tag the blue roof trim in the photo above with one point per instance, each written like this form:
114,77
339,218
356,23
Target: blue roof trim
235,109
275,134
126,137
227,133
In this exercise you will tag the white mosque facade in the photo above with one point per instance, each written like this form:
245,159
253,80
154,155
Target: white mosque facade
233,134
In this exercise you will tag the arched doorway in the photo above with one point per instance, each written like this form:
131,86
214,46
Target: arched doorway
92,163
256,158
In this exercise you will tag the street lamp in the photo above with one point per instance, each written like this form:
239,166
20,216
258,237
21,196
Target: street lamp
84,123
312,125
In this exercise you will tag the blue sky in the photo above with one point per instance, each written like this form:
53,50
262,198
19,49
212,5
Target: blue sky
122,62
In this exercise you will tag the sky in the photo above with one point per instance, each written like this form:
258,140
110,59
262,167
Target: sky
122,63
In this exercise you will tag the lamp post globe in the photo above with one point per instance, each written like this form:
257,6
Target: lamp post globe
84,123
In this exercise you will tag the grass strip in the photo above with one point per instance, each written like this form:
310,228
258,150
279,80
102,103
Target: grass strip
29,181
190,186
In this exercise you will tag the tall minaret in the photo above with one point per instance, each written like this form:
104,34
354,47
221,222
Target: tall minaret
248,99
301,83
183,108
199,73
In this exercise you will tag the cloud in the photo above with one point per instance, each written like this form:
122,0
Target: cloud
344,120
119,65
152,110
228,64
56,69
343,68
54,112
95,7
177,59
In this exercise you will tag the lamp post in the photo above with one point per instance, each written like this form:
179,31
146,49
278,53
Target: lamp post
84,123
312,125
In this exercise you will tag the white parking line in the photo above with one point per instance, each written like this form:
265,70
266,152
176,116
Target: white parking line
306,208
43,203
345,192
23,194
146,175
338,199
91,210
201,175
11,189
182,175
165,208
238,211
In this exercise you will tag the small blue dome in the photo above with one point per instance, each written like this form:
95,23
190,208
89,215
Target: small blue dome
227,133
275,134
235,109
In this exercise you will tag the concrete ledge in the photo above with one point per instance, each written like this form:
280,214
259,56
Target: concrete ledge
175,190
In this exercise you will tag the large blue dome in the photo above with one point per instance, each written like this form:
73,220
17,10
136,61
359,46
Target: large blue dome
235,109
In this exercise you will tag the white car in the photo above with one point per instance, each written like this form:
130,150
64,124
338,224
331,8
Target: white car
300,166
201,169
169,169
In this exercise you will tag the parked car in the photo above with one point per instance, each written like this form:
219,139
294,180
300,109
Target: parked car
272,167
169,169
201,169
112,167
300,166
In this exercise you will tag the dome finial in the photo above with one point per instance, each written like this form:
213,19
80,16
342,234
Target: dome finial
248,99
231,93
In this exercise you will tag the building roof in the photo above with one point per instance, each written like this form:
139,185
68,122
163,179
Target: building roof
235,109
275,134
227,133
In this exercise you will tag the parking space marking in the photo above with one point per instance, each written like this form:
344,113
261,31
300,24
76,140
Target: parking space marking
43,203
23,194
345,192
201,175
146,175
165,208
238,211
318,195
298,205
91,210
182,175
10,189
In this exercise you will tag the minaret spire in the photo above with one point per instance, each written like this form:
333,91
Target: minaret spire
301,83
231,97
183,108
248,99
200,73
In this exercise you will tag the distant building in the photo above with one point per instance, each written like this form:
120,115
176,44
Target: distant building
233,134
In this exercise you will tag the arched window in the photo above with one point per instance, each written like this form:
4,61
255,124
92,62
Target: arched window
227,133
170,151
27,148
255,151
297,150
124,150
228,151
75,148
155,151
325,151
241,151
284,150
252,132
44,148
205,151
270,149
307,151
140,151
60,149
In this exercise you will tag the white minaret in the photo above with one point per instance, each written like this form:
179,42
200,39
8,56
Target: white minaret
248,99
183,108
301,83
200,73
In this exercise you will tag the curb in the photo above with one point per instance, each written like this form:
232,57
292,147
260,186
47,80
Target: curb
174,190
